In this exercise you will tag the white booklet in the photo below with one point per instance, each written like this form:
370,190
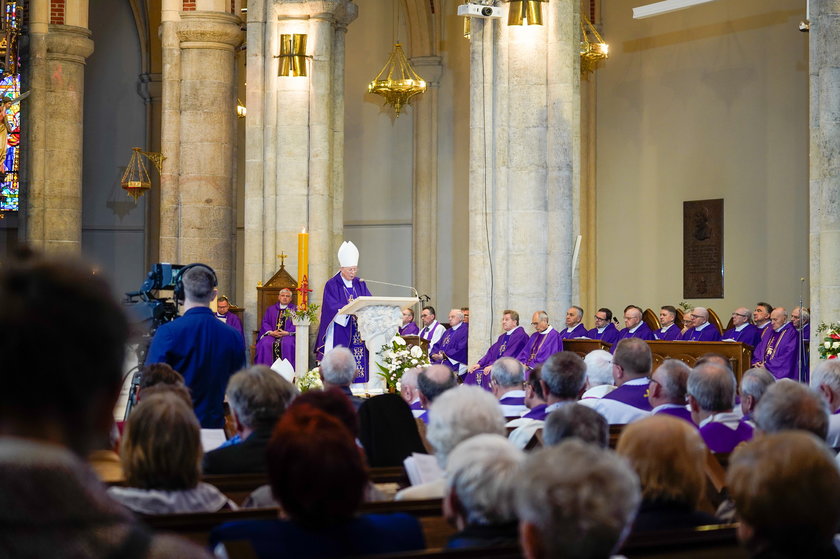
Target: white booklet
422,468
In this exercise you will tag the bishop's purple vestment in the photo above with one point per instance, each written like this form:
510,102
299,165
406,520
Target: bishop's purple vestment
578,331
609,335
233,321
269,348
509,344
642,332
453,344
336,295
777,352
707,334
540,347
669,335
410,329
749,335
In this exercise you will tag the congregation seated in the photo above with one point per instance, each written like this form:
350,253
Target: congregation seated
161,457
258,397
387,431
433,381
575,500
534,400
826,381
669,456
508,375
631,365
667,393
318,476
410,392
790,405
599,379
576,421
711,398
754,383
455,416
700,329
338,369
786,489
479,496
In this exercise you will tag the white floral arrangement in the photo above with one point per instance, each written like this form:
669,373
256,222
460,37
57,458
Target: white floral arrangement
830,346
398,358
310,381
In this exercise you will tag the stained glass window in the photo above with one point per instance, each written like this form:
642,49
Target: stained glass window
11,112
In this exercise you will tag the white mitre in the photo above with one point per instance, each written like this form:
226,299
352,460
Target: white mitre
348,255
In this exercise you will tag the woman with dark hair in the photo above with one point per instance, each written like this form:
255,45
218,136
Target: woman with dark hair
318,476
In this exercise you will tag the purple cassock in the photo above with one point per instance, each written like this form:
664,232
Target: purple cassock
578,331
410,329
777,352
749,335
509,344
453,344
642,332
537,412
270,349
635,395
233,321
707,334
675,411
540,347
720,438
669,335
609,335
336,295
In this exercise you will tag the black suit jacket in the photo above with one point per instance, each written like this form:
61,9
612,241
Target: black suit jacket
243,458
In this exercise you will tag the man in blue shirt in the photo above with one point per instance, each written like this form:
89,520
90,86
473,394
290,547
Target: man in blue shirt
201,348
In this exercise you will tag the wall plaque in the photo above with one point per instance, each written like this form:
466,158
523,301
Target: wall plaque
703,249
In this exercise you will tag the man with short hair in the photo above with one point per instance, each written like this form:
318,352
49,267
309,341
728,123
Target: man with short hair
754,383
410,392
225,316
632,362
789,405
761,315
711,397
801,320
205,351
599,378
634,326
451,350
258,397
409,327
276,338
742,331
432,329
432,382
466,312
776,351
701,329
338,369
508,375
576,421
786,489
544,342
563,376
509,344
574,324
575,500
668,388
826,381
668,330
604,329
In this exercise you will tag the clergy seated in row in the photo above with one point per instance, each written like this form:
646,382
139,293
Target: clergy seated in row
634,327
341,329
257,397
432,381
761,317
276,338
455,416
632,362
534,402
543,343
777,350
754,384
451,349
668,331
408,327
742,331
432,329
224,314
711,398
604,329
700,329
826,381
574,324
411,393
508,375
576,421
667,392
599,378
482,474
789,405
508,344
800,318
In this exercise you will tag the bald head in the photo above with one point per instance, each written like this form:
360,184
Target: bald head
700,316
778,318
434,381
711,389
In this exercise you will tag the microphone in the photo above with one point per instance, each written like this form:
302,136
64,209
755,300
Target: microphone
392,285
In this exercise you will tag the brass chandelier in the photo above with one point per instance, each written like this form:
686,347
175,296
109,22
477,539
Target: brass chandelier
136,181
397,82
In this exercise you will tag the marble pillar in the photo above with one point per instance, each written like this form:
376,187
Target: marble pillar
824,51
524,171
53,221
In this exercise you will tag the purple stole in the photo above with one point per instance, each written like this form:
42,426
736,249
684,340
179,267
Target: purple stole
410,329
777,352
512,401
269,349
507,345
337,295
631,394
749,335
720,438
671,334
642,332
539,348
537,412
427,333
478,378
415,405
425,417
578,331
453,344
682,413
233,321
609,335
707,334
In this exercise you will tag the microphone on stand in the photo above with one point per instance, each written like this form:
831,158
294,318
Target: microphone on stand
392,285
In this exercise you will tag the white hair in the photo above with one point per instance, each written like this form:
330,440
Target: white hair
581,499
338,366
507,372
461,413
827,373
482,471
598,367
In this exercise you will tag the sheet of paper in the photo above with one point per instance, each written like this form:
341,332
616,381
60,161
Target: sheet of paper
212,438
422,468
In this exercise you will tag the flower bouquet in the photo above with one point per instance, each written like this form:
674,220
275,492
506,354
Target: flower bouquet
311,313
399,358
830,346
310,381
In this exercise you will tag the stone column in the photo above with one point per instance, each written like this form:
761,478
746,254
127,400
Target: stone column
524,176
54,200
824,40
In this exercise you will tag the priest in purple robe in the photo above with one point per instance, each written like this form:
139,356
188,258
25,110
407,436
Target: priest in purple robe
777,350
801,320
451,349
668,330
574,324
667,389
409,327
343,330
711,394
742,331
701,329
509,344
542,344
276,338
604,329
223,313
634,327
